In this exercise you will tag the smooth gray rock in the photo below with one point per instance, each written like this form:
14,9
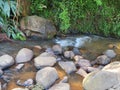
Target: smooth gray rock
19,66
82,72
102,60
46,76
60,86
57,49
68,66
64,80
69,54
6,61
44,61
24,55
110,53
108,77
37,26
84,63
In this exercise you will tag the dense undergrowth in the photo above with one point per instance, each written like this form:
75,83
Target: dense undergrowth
100,17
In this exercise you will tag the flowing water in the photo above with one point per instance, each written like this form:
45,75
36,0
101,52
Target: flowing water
90,47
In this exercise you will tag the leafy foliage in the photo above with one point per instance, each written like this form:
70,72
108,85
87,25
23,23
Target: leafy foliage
87,16
8,12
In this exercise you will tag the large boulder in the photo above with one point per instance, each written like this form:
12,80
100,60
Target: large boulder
46,76
24,55
6,61
107,78
38,26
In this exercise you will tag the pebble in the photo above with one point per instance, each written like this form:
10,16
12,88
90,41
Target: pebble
19,66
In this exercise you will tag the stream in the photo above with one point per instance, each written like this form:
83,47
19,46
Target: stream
90,47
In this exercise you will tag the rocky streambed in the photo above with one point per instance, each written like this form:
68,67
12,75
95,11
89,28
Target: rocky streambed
60,64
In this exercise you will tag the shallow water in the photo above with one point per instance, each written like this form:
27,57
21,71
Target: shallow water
90,47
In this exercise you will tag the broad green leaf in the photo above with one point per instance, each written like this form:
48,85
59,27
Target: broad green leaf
6,9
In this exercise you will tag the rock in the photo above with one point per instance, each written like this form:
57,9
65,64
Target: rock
69,54
0,86
91,69
20,89
82,72
108,77
57,49
19,66
76,51
38,26
36,49
6,78
60,86
26,83
1,72
64,80
68,66
47,54
44,61
102,60
6,61
84,63
46,76
77,58
24,55
110,53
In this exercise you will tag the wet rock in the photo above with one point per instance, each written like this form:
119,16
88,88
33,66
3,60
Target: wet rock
59,59
60,86
77,58
38,26
69,54
76,51
4,86
47,54
68,66
108,77
1,72
19,66
20,89
57,49
84,63
64,80
6,61
36,49
82,72
110,53
24,55
6,78
0,86
44,61
102,60
26,83
46,76
91,69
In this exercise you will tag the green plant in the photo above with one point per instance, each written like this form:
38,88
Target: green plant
64,18
8,11
87,16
